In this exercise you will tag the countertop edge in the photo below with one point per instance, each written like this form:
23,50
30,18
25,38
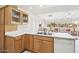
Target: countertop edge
43,35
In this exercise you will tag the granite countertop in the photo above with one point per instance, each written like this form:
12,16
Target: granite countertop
54,34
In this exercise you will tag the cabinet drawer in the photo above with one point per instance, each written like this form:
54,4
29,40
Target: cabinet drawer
44,38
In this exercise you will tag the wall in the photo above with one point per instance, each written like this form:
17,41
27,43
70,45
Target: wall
32,24
60,17
66,16
10,27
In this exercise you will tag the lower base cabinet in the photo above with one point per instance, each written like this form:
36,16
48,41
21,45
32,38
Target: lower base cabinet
34,43
43,44
14,44
39,44
17,45
29,42
23,41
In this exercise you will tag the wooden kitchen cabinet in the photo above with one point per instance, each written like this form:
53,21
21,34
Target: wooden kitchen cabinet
14,44
2,31
2,37
26,41
9,44
2,16
17,45
9,15
47,47
24,17
37,45
23,38
29,42
43,44
12,15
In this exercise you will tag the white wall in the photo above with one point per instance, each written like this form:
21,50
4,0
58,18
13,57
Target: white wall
35,20
32,25
66,16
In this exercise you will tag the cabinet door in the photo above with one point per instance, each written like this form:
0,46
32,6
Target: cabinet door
13,45
47,47
2,31
9,44
18,45
1,16
37,45
23,38
31,43
27,42
8,15
43,44
1,37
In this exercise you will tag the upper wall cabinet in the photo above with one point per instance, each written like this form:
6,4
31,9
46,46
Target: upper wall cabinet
24,17
14,16
1,16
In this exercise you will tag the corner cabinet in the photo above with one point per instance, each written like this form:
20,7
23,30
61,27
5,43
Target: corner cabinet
15,15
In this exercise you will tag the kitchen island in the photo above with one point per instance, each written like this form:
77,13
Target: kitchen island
55,43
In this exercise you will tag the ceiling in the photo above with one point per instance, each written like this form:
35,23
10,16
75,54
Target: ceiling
40,9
